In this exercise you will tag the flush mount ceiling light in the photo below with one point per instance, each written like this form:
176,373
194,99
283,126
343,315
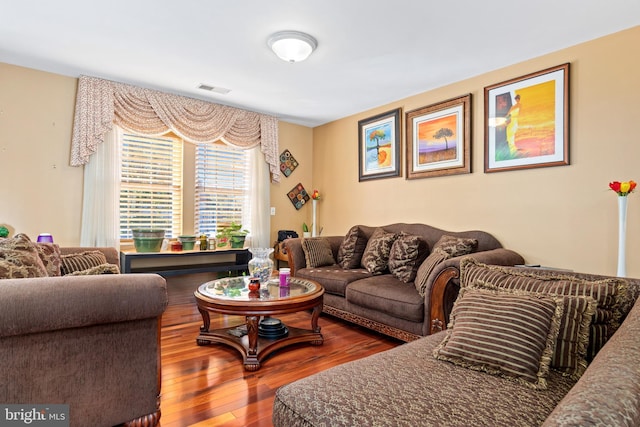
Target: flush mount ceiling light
292,46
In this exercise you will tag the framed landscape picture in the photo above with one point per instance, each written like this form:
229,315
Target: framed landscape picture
379,146
439,139
527,121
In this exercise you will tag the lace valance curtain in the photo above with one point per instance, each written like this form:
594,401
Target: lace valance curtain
102,103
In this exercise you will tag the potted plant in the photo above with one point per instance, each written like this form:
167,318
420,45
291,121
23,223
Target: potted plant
305,230
231,235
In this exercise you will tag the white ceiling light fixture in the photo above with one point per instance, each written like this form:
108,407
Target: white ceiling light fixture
292,46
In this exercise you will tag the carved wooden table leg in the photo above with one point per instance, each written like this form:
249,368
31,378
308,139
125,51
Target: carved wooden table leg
251,362
206,322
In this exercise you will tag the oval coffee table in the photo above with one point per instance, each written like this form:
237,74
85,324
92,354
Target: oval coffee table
256,339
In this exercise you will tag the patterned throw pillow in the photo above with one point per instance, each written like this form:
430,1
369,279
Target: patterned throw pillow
82,261
100,269
446,247
503,333
351,249
19,258
51,258
608,293
317,252
406,254
376,255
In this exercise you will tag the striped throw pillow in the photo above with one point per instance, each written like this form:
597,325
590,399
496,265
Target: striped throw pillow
317,252
503,333
609,294
81,261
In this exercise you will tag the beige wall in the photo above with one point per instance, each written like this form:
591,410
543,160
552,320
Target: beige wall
560,216
40,192
299,141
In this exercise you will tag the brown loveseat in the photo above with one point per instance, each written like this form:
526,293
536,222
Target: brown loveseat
409,386
383,302
88,341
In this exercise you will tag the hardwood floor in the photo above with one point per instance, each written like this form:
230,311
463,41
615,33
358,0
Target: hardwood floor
208,386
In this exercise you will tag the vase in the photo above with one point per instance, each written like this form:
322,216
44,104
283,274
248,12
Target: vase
314,204
260,265
622,236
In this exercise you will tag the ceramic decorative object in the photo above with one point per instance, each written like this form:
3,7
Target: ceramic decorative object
260,265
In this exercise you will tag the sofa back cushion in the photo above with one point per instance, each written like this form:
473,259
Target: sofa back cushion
432,234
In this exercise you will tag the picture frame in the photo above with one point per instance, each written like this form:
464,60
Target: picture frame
426,127
379,146
526,121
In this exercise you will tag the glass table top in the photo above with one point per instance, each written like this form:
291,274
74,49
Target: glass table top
236,288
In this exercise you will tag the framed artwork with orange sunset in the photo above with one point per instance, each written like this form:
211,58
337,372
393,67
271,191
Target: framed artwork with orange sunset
379,146
439,139
527,121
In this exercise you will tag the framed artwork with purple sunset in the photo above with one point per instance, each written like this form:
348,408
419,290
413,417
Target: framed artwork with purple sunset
439,139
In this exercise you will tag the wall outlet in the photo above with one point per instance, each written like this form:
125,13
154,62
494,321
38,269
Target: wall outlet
273,210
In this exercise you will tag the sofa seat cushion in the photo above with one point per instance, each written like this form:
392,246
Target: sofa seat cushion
388,295
407,386
333,278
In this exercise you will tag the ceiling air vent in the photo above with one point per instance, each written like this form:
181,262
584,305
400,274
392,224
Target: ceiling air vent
215,89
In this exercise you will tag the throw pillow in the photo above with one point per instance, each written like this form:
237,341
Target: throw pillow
376,255
19,258
351,249
502,333
50,255
99,269
608,293
317,252
456,246
407,252
570,349
81,261
446,247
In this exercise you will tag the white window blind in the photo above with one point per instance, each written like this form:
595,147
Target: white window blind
222,187
151,184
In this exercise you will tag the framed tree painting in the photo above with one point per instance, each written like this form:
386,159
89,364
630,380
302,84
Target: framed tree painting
439,139
379,146
527,121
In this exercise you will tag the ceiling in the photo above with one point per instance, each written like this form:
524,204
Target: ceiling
370,52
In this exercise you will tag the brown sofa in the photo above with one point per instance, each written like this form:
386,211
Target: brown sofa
384,303
88,341
408,386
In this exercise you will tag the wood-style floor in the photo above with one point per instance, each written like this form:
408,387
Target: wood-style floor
208,386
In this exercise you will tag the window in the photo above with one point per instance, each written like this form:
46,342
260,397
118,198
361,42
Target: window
151,184
222,187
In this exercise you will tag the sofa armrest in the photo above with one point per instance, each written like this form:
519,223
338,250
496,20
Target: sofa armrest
41,304
608,392
443,285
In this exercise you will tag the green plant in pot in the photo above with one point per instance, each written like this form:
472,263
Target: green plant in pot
231,235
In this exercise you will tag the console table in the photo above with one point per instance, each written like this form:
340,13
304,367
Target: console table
185,262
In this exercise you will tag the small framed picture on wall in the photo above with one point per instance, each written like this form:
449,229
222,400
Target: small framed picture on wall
379,146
